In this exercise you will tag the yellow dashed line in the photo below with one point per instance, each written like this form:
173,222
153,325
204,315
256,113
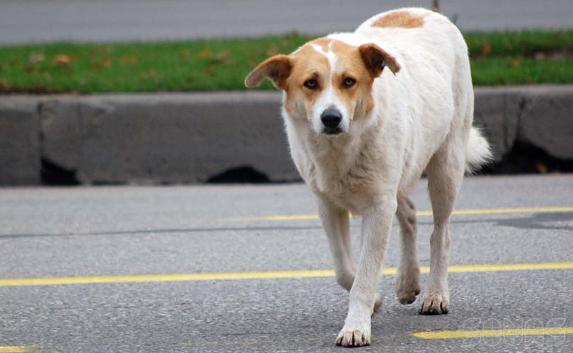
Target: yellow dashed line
16,349
443,335
469,212
508,267
194,277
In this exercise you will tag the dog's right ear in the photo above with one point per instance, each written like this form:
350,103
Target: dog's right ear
276,68
376,58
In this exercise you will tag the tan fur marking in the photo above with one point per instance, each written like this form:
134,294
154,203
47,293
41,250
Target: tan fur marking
308,63
402,19
321,42
358,98
290,73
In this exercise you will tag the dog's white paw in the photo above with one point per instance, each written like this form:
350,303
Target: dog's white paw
434,304
353,338
356,330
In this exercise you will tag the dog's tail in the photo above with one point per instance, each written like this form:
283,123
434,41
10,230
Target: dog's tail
478,151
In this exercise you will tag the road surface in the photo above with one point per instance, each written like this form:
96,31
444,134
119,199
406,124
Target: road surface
241,269
112,20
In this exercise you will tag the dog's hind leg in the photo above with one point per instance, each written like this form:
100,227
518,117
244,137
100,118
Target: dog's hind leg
445,174
408,286
336,224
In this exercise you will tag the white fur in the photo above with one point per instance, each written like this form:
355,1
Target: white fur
477,151
421,120
328,98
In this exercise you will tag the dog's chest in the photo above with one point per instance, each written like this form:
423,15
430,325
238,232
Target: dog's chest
348,182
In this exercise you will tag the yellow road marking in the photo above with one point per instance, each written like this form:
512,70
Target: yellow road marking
469,212
507,267
16,349
194,277
442,335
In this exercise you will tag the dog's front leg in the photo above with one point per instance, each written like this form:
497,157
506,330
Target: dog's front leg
376,223
335,222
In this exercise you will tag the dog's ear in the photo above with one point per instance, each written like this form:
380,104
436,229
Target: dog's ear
376,58
276,68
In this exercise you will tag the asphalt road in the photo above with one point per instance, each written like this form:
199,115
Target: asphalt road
194,269
113,20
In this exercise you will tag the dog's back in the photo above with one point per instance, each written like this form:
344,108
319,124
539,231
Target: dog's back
423,39
436,74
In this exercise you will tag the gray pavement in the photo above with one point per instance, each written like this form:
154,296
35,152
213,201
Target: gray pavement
122,231
112,20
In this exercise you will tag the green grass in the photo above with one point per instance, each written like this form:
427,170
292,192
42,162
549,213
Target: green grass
513,71
497,59
518,43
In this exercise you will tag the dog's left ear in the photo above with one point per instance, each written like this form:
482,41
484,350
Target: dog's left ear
276,68
376,58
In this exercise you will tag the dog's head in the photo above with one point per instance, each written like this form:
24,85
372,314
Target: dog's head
327,81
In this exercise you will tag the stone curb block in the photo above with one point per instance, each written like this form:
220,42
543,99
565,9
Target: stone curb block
19,142
547,121
178,138
189,138
538,115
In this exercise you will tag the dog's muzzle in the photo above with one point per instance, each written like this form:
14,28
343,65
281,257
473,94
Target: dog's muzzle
331,119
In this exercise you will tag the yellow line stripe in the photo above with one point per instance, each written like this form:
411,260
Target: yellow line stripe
16,349
441,335
469,212
194,277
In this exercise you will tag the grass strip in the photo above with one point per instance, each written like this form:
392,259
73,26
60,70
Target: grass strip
209,65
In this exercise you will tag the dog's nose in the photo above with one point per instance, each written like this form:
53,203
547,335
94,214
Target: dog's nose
331,118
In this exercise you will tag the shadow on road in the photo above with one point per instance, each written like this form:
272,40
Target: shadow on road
534,221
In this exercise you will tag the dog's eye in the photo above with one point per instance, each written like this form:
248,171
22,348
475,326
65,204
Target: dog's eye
311,84
348,82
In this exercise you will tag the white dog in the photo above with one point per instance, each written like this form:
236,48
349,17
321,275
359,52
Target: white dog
366,113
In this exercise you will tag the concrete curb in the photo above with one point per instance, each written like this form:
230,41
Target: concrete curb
19,142
196,137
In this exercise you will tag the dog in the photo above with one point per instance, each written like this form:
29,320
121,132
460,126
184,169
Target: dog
366,113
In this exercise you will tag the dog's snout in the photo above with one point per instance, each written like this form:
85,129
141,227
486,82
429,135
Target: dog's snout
331,119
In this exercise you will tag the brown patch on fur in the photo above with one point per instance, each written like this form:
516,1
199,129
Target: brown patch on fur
307,64
358,98
402,19
290,72
321,42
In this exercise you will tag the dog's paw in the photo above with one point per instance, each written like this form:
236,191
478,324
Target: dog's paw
408,285
434,304
356,330
353,338
408,295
